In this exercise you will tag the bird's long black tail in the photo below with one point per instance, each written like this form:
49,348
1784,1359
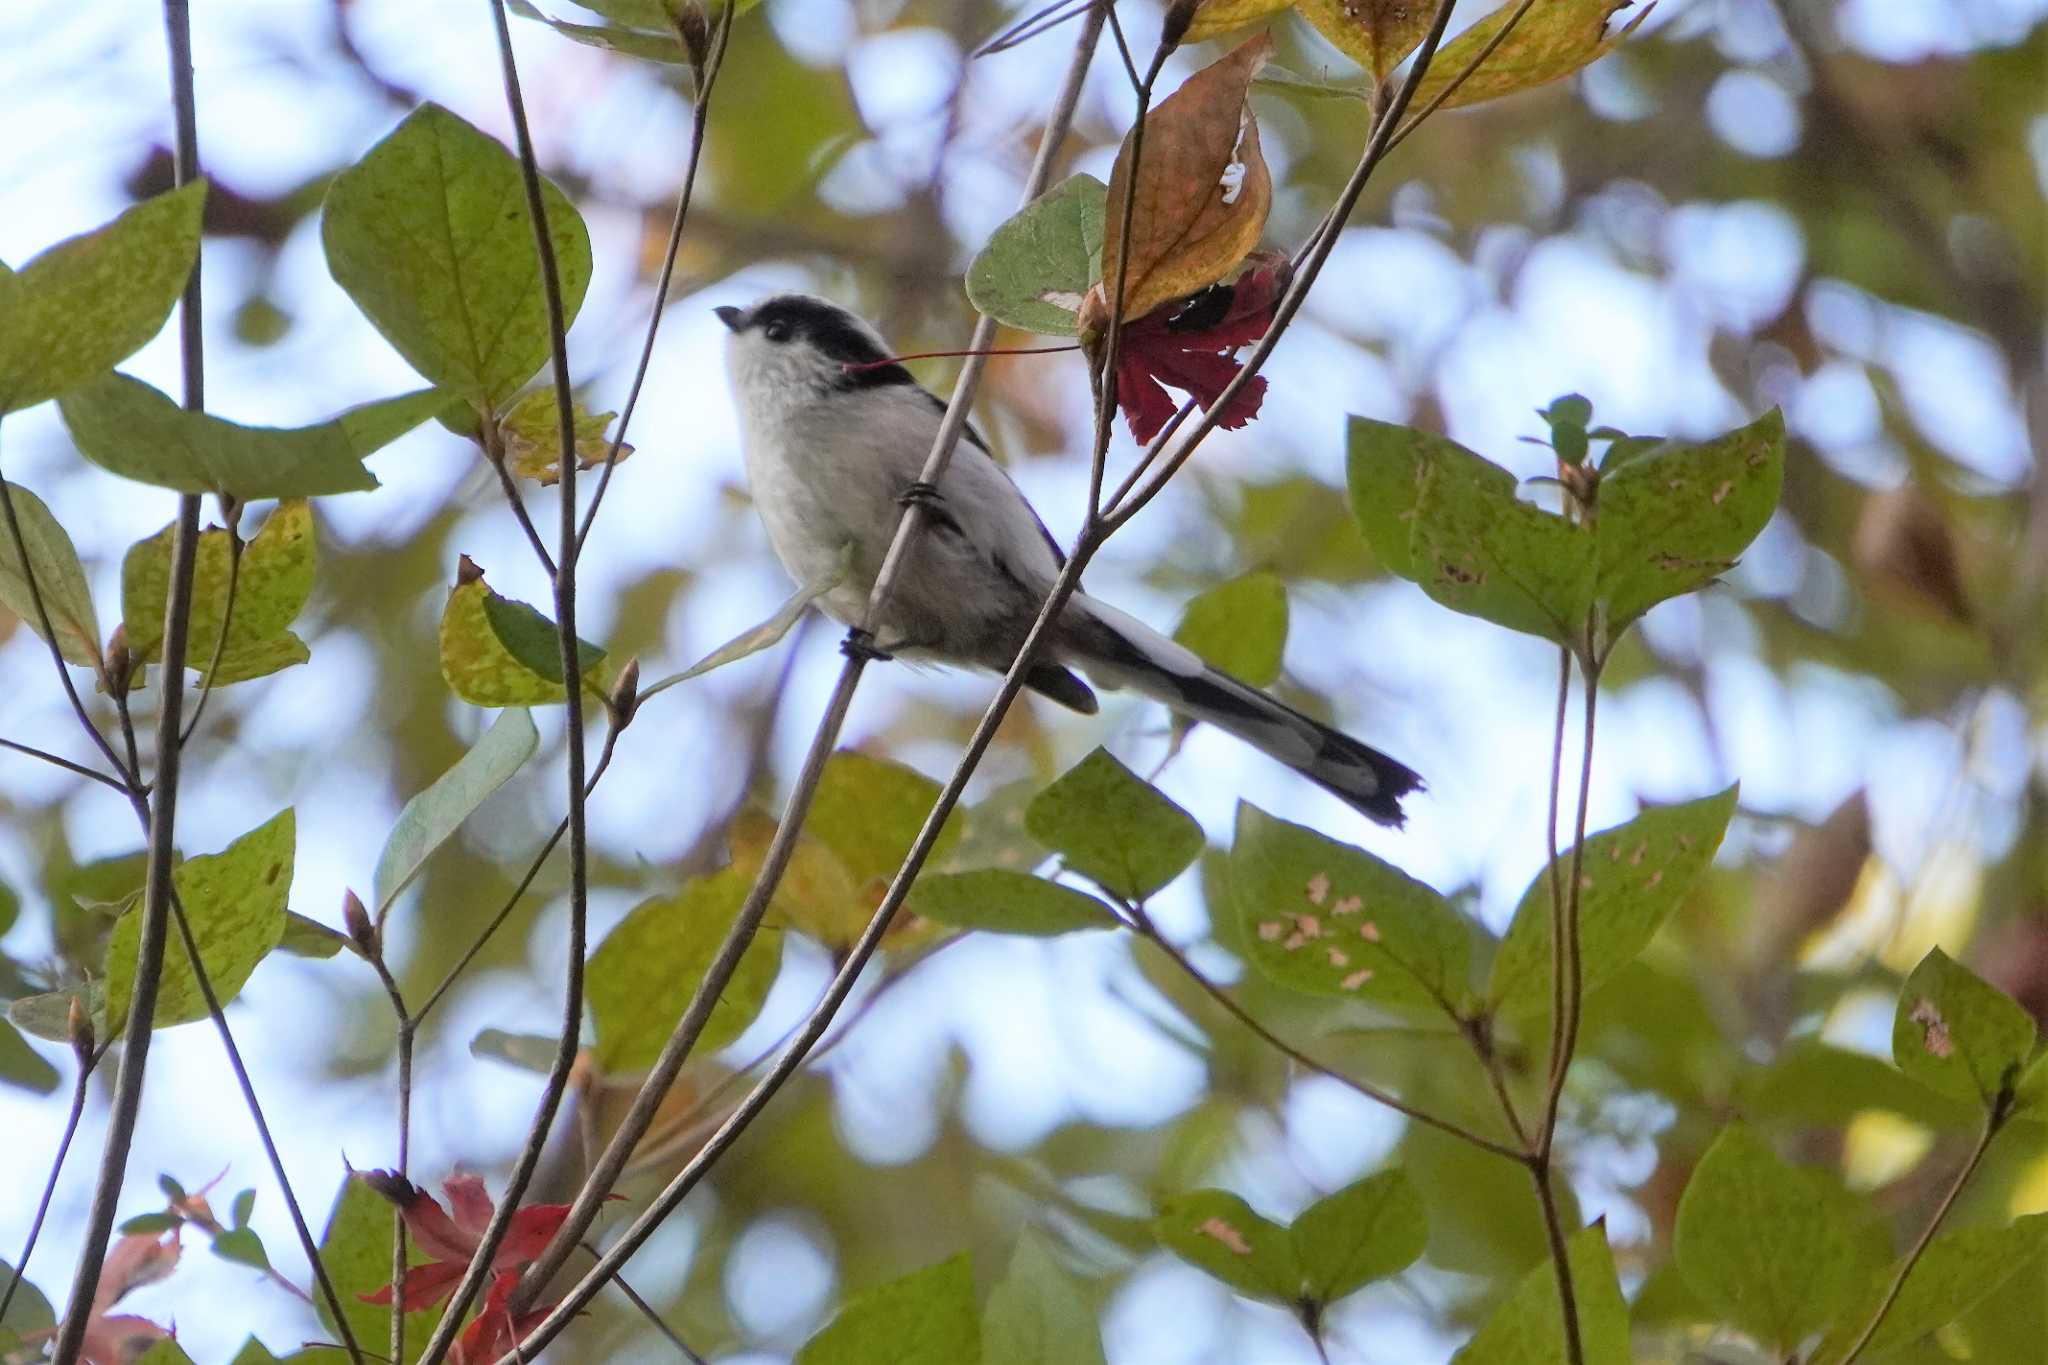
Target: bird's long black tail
1120,651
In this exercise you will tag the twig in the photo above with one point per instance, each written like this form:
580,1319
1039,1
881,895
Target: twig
87,1060
572,684
700,109
156,895
1031,25
65,764
408,1027
605,1171
1142,924
646,1309
494,455
2001,1110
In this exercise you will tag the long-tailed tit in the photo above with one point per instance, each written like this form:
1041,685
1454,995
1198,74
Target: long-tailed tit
835,442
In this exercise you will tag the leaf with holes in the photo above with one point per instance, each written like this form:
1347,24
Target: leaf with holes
128,428
1778,1250
88,303
1366,1231
1037,266
1957,1034
1676,519
429,234
1553,40
1202,193
1630,880
499,652
45,551
1526,1328
234,901
643,975
1114,828
925,1318
271,586
1004,902
1239,627
1328,919
1219,1233
432,817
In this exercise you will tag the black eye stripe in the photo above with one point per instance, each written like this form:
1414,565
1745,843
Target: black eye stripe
834,334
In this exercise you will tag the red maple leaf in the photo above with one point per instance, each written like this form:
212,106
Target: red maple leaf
1188,345
452,1240
496,1329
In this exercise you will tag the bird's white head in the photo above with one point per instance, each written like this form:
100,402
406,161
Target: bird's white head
791,350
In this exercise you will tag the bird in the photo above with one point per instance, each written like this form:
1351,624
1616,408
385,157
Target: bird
835,433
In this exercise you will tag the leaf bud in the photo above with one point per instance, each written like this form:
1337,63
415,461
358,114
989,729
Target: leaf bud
694,31
1179,15
120,661
356,918
625,697
79,1025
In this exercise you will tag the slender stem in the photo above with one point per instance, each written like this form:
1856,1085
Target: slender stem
1142,923
407,1029
1033,24
1556,864
533,868
494,454
647,1311
87,1060
1993,1122
65,764
605,1170
156,895
700,110
1317,255
572,685
231,514
1566,957
1560,1260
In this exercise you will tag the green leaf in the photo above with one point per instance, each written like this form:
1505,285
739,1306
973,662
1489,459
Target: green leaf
22,1066
1957,1034
165,1352
356,1250
45,550
869,810
754,639
1812,1082
643,975
1039,1314
243,1247
499,652
1364,1232
1323,917
1005,902
28,1312
1958,1270
1239,627
271,587
1217,1232
88,303
429,234
527,1051
632,42
1114,828
1527,1329
244,1205
925,1318
151,1224
305,937
1038,265
234,901
432,817
1778,1250
1676,519
1278,80
48,1016
1552,41
128,428
1631,878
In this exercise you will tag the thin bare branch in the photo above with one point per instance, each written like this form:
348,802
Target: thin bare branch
87,1061
231,514
66,764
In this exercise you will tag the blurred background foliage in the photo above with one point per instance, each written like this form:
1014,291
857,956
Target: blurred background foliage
1832,207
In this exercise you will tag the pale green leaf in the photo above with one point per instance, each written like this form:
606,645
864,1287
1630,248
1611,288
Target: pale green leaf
1528,1329
355,1249
431,818
1959,1269
1239,627
1005,902
271,586
46,551
1366,1231
1219,1233
1038,265
926,1318
1039,1313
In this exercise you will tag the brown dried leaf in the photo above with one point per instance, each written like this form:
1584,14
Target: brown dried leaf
1202,192
1376,34
1555,39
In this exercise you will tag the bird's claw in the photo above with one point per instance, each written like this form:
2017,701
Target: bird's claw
859,644
920,493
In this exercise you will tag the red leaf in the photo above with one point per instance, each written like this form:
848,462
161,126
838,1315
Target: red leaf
1186,345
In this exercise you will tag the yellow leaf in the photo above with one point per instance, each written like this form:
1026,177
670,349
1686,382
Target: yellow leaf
1376,34
533,437
1202,189
1221,16
1554,39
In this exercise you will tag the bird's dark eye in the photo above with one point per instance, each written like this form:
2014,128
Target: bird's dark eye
778,330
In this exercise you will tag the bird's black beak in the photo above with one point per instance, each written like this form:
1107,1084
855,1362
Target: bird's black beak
733,318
